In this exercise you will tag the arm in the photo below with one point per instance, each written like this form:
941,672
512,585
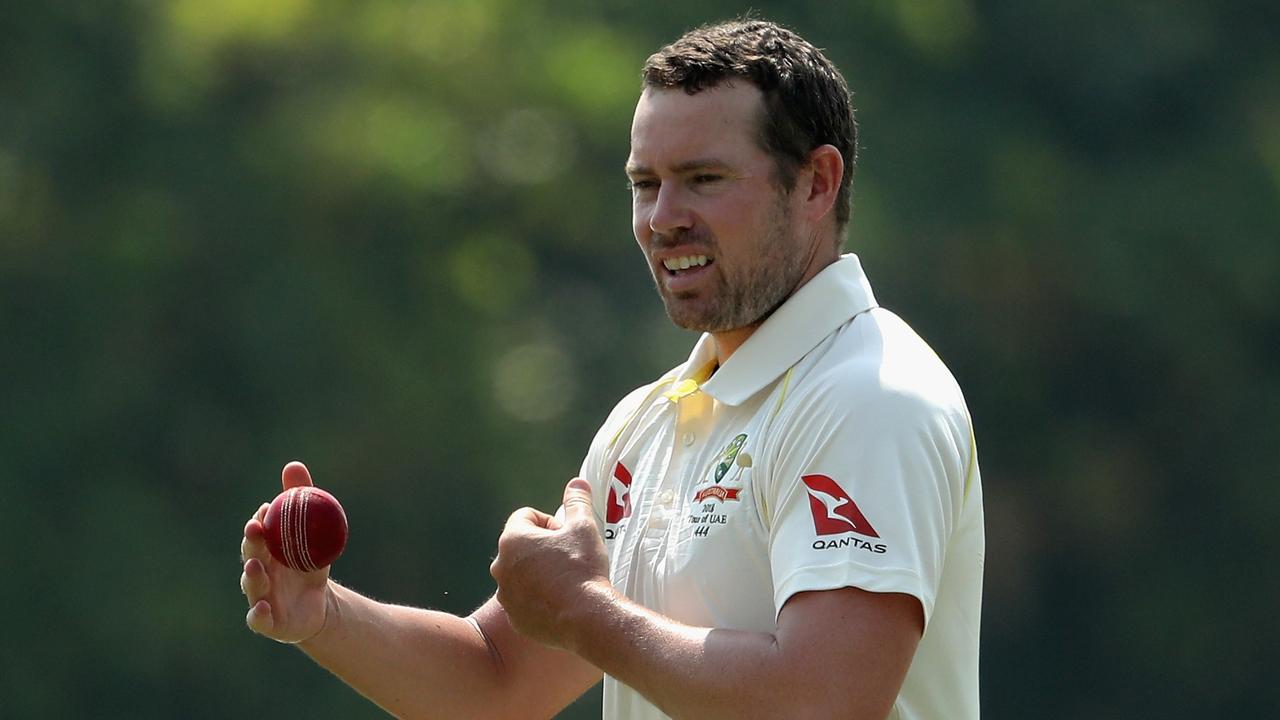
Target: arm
411,662
423,663
835,653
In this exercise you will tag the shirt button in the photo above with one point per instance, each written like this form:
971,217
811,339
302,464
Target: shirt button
666,497
658,521
687,439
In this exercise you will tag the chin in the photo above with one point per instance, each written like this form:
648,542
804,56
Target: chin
686,320
697,322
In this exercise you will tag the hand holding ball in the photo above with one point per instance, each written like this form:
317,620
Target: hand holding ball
305,528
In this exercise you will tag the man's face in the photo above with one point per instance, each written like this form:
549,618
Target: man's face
707,211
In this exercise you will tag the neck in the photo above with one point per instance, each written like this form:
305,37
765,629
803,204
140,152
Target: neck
728,341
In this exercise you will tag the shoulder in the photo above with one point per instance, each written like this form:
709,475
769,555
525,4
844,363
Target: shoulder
634,401
878,374
626,409
602,452
875,397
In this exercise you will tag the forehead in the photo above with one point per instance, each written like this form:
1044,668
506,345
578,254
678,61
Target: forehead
672,126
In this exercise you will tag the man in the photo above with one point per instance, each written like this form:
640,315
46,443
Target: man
789,525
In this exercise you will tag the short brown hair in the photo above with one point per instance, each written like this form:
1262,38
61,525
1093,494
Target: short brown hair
806,100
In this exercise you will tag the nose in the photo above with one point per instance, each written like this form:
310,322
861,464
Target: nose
670,210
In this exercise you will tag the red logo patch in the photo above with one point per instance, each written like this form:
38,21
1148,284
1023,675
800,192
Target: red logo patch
718,492
834,512
619,505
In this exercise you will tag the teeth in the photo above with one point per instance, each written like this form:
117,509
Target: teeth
684,263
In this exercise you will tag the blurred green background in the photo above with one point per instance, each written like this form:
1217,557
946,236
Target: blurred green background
391,238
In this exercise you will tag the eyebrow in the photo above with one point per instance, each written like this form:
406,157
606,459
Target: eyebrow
684,167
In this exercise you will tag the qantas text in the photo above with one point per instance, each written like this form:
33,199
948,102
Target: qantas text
844,542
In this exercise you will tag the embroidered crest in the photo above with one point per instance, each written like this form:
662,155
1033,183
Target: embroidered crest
729,455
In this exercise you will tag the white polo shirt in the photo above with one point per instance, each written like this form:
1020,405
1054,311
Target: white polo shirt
833,449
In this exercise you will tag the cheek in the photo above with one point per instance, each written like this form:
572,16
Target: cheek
640,226
733,224
640,222
641,238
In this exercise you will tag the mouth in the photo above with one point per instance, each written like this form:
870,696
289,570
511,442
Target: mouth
677,265
684,272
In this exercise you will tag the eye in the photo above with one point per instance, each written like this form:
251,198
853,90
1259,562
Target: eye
641,185
705,178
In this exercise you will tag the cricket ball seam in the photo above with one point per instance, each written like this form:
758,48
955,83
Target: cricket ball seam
304,547
286,536
292,528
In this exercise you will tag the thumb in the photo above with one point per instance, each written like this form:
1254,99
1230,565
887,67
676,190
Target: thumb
577,500
295,474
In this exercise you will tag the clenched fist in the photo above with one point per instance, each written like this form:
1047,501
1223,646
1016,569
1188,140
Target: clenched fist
547,568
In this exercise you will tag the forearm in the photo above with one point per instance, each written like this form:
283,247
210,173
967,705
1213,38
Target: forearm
418,663
704,673
686,671
411,662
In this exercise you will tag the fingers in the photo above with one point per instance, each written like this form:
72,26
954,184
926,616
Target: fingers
254,581
295,474
529,516
259,618
577,500
255,584
523,523
577,505
253,545
555,522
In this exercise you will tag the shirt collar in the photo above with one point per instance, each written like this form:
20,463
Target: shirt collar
833,296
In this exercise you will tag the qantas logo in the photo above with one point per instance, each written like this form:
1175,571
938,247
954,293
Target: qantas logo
834,512
619,505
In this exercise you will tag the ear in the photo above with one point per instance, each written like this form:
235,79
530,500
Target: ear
826,168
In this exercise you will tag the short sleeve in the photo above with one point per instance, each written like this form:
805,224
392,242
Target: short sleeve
866,484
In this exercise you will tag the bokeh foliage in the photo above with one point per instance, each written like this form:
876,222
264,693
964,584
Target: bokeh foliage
391,238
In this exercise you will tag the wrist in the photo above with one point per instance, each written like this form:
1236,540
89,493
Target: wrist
585,618
330,611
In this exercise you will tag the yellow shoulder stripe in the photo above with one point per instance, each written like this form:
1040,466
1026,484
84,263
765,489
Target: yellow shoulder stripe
973,461
648,398
786,385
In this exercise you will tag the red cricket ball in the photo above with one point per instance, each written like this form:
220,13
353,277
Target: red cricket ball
305,528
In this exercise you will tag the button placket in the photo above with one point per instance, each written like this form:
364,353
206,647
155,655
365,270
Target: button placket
693,426
662,510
